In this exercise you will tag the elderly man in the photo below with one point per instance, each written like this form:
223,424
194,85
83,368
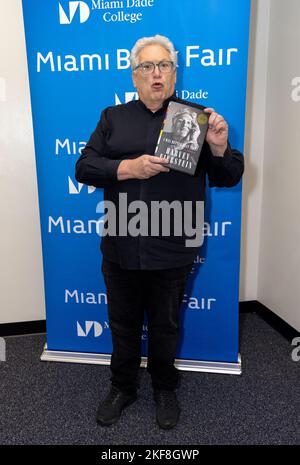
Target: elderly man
148,273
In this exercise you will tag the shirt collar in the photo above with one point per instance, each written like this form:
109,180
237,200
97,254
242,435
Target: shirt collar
161,110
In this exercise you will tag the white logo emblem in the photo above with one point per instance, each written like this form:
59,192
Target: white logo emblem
88,326
76,190
129,96
84,12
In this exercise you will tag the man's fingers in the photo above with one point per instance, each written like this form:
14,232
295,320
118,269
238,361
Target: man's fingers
162,168
153,165
154,159
214,119
157,168
221,125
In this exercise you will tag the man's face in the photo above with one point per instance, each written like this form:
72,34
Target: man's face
155,87
182,125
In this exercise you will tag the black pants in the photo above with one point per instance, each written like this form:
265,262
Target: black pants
129,294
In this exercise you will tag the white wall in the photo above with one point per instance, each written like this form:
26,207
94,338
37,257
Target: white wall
21,274
22,296
279,250
254,147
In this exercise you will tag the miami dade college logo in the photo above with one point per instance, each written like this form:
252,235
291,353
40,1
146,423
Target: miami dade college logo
87,329
128,97
67,17
73,189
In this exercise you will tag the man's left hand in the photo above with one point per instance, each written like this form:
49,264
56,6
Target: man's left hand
217,133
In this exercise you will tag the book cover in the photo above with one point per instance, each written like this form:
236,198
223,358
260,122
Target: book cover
182,135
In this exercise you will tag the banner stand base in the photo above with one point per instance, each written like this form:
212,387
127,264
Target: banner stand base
223,368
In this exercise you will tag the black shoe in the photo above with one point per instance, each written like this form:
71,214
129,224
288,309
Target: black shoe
109,410
167,408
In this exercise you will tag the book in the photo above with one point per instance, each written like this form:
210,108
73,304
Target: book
182,135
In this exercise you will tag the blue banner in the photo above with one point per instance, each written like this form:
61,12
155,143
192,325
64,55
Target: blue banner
78,60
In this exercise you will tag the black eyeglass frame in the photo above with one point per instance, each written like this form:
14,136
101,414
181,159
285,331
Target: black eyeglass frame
154,66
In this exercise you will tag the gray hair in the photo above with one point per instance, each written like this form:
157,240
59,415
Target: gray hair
154,40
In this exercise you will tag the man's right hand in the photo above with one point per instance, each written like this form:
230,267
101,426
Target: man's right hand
143,167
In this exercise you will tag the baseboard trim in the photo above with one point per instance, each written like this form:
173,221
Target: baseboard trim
23,328
251,306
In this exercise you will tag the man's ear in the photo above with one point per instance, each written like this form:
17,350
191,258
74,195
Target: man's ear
133,79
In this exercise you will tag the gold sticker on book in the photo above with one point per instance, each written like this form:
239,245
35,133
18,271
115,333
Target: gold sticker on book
202,119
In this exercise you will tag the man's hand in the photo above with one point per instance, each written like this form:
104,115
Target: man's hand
217,133
143,167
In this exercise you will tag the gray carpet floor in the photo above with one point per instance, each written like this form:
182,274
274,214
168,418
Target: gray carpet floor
55,403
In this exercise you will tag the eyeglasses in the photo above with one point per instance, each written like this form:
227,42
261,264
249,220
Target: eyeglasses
147,67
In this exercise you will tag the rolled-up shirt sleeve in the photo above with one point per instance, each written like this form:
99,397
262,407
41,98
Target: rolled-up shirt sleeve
95,167
224,171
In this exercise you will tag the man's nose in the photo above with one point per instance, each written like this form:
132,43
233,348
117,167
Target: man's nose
156,71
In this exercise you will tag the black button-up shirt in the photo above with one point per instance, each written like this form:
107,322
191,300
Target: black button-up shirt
126,132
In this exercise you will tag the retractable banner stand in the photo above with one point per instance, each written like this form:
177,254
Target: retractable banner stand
78,60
